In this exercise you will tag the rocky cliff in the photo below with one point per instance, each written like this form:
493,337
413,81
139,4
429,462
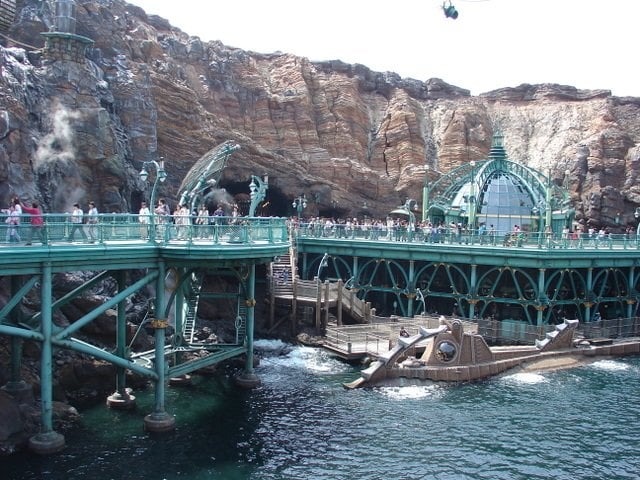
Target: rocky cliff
341,134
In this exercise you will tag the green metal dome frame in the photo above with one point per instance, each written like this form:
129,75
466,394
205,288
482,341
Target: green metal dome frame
550,203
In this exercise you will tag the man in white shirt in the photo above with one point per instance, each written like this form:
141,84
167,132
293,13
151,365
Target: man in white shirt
92,220
76,222
143,218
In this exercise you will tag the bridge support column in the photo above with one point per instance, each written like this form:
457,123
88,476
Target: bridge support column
47,441
16,387
541,295
121,398
160,420
248,379
412,291
589,286
631,301
473,288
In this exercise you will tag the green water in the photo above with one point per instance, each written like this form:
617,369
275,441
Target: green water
301,424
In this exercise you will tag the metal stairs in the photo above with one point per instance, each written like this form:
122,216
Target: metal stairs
192,296
241,320
281,274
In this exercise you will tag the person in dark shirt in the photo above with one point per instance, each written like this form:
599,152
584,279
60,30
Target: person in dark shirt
37,222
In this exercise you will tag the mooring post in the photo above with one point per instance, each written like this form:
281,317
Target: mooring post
327,299
339,309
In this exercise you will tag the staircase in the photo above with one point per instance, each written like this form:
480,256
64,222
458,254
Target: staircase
280,281
241,320
192,297
357,309
281,274
561,337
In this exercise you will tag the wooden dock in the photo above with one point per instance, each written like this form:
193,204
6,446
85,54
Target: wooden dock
355,342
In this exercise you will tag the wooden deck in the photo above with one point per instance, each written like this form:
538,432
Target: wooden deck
354,342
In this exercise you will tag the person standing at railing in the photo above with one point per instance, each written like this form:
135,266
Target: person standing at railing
181,219
17,205
143,219
581,235
216,222
76,222
565,236
37,222
162,217
92,220
12,221
203,221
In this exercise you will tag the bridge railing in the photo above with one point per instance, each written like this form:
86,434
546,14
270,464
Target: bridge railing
611,328
381,334
515,331
125,227
484,238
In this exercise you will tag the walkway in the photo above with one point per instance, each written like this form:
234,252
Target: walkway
135,259
354,342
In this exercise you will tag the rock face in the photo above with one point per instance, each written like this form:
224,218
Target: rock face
341,134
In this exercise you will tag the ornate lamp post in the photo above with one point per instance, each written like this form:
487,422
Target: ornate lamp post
548,227
299,204
637,215
258,188
537,217
161,176
535,212
324,262
472,198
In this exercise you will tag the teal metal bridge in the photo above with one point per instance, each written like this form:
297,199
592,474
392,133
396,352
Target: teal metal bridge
533,278
173,265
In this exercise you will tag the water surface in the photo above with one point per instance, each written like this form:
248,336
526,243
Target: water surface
302,424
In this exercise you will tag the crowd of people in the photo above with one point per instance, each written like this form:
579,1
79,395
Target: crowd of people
14,217
398,228
402,230
394,228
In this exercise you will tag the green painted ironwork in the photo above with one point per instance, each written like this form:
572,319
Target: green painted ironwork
548,200
533,283
258,189
219,247
205,174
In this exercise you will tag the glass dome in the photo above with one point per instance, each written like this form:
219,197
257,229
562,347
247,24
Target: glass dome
497,194
506,202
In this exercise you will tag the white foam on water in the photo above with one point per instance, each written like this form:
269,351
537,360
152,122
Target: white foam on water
525,378
270,345
410,392
610,365
310,359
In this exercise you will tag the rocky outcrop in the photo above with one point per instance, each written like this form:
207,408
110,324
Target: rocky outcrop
340,133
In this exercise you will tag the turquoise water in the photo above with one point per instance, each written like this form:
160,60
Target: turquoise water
301,424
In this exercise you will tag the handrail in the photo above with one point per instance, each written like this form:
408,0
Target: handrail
498,239
355,339
125,227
